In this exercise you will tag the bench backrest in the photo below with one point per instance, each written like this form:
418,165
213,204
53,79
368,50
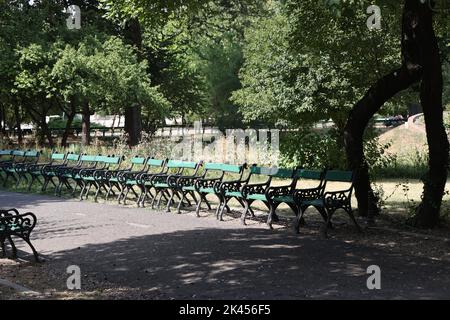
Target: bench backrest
31,156
181,166
58,157
156,165
272,172
339,176
223,167
233,170
214,169
88,161
88,158
18,153
138,161
72,157
155,162
18,156
5,153
108,161
213,166
332,177
310,174
268,173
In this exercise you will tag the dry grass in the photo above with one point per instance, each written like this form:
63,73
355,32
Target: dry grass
404,141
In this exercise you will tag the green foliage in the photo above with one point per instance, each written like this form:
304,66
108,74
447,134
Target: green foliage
220,61
313,149
170,68
309,149
294,77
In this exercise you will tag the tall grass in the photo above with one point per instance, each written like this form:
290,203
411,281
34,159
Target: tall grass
407,166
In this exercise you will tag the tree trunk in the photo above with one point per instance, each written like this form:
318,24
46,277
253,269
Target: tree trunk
133,124
133,117
359,117
427,214
113,125
46,132
86,125
417,30
70,117
18,124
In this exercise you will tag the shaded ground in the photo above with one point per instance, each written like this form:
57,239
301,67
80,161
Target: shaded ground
128,253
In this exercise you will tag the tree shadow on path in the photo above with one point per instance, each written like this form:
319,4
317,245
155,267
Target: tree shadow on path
251,264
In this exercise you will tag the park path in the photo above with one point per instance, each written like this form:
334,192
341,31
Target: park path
149,254
412,123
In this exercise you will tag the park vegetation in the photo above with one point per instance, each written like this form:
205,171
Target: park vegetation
235,64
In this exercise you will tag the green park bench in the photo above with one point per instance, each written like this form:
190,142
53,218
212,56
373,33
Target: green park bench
327,200
160,182
171,179
140,179
66,174
277,195
232,181
111,177
97,177
31,158
36,171
256,191
5,156
182,185
209,183
51,172
18,169
18,225
9,159
213,173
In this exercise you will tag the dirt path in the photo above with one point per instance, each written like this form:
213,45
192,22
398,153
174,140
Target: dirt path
131,253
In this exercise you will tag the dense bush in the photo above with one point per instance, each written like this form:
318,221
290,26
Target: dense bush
312,149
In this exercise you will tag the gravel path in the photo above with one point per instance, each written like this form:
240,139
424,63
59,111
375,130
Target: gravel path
126,252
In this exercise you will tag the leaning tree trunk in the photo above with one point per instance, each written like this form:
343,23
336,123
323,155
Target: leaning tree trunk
418,46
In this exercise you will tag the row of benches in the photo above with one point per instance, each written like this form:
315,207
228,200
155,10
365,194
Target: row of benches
154,180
